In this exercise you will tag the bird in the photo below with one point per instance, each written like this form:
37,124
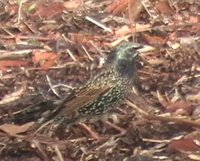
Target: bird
103,92
92,99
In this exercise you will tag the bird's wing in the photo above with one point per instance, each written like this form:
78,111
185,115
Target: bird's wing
83,96
69,108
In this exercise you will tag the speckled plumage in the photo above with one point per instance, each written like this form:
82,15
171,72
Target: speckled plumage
105,91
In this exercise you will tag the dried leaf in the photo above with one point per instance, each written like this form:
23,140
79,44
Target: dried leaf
158,40
183,105
194,156
135,8
13,130
125,30
164,7
117,7
45,59
4,64
72,5
13,96
162,99
81,39
183,145
50,10
194,19
85,40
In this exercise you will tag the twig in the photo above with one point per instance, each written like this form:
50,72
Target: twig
97,48
57,150
71,55
64,85
8,32
92,133
145,7
121,130
174,119
36,143
41,127
164,118
51,86
88,55
19,11
5,55
91,19
40,38
137,108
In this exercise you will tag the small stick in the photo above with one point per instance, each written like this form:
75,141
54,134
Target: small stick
57,150
164,118
71,55
101,25
19,11
51,86
87,53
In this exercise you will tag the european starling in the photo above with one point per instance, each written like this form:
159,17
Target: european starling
103,92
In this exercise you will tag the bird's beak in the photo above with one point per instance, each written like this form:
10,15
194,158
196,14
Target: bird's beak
145,48
137,46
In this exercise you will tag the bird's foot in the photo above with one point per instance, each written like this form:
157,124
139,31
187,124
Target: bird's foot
95,135
121,130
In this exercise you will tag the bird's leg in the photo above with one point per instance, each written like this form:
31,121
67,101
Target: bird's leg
121,130
90,131
105,120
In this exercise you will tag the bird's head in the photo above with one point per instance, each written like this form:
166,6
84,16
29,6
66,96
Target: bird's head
123,58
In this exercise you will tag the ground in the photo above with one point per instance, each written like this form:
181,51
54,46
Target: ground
49,47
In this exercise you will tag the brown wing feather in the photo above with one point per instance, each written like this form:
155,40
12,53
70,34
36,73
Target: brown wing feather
81,98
